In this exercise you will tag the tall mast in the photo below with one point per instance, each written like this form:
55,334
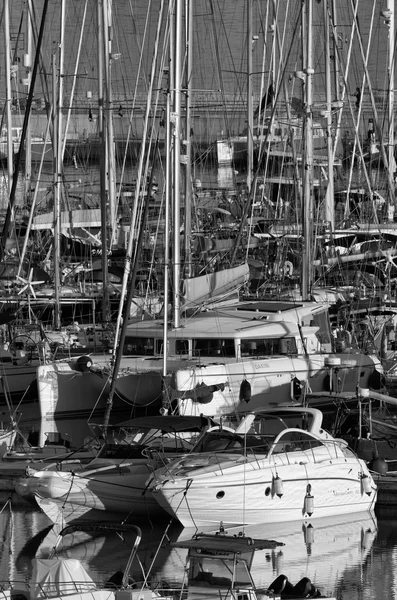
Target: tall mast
110,163
167,221
187,141
28,67
127,295
329,198
54,116
335,51
58,106
177,157
391,161
250,114
308,159
11,201
10,151
102,163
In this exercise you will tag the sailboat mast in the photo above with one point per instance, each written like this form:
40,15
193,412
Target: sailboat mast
335,53
110,165
28,67
391,54
56,188
187,141
10,151
329,198
126,297
58,106
102,163
250,113
167,221
308,162
177,156
11,201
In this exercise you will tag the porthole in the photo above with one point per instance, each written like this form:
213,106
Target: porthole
268,491
220,495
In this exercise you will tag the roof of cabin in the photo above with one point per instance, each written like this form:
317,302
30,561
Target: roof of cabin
243,320
225,544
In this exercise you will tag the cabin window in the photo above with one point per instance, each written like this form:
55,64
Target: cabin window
181,347
268,347
159,346
213,347
138,345
293,441
220,441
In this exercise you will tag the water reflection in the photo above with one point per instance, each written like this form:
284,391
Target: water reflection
325,550
345,557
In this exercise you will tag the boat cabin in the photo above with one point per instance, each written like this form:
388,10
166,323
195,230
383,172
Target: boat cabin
248,330
275,430
220,565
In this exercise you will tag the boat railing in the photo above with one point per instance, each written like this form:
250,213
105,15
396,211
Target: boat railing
296,444
288,451
22,589
64,588
290,447
48,589
9,586
169,592
290,441
158,458
200,460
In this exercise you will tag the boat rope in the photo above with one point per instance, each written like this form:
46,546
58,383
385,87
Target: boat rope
8,529
160,545
184,497
140,74
7,503
11,200
70,489
244,481
133,508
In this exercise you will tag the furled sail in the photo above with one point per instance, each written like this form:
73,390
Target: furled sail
213,286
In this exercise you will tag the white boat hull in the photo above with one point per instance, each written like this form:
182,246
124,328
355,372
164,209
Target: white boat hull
271,380
117,489
245,496
140,382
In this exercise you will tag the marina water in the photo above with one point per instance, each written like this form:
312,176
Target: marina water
351,558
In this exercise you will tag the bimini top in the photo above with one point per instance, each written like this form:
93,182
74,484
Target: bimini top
218,544
168,423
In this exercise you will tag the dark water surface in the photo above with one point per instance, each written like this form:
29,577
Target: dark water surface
351,557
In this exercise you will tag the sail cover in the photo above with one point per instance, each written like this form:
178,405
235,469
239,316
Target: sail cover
213,286
56,577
